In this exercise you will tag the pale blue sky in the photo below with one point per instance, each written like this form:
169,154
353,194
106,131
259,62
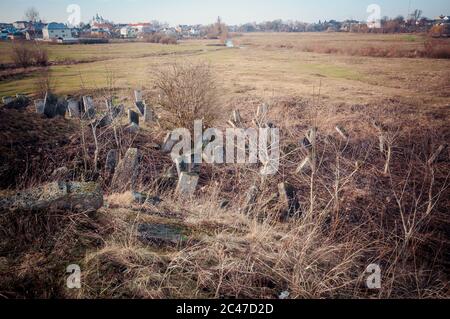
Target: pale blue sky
206,11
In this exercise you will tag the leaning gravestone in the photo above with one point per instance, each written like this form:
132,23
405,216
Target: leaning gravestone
133,117
140,107
73,107
40,106
117,111
111,160
187,184
127,171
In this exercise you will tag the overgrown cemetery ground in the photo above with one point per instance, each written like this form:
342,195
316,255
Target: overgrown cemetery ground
374,191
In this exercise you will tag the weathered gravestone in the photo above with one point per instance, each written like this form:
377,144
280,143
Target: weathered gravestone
187,184
111,160
19,102
73,107
133,117
138,96
51,104
160,235
7,99
149,115
140,106
61,107
117,111
127,171
88,107
40,106
104,121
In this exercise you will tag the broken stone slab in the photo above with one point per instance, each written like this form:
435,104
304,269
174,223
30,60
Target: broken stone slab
7,99
288,199
40,106
138,96
111,160
19,102
160,234
74,196
187,184
73,106
127,171
133,117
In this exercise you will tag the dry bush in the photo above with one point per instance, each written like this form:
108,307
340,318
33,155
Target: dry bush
40,55
188,92
160,38
22,55
436,49
26,55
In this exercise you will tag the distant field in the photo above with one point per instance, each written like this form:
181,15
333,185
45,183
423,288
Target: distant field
266,64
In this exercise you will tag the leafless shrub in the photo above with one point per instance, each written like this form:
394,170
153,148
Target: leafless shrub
188,92
22,55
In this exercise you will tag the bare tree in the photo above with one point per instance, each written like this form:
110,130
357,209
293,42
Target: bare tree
31,14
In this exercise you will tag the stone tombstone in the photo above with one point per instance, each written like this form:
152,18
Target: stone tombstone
127,171
187,184
117,111
88,106
73,107
140,106
138,96
149,115
51,103
104,121
40,106
7,99
111,160
133,117
160,235
61,107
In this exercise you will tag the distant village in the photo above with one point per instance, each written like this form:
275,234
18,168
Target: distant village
100,29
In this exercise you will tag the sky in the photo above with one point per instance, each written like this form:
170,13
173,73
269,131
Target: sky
206,11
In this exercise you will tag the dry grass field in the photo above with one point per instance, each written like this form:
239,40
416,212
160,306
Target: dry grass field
376,196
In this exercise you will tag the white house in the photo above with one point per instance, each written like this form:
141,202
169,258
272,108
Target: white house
56,31
128,32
